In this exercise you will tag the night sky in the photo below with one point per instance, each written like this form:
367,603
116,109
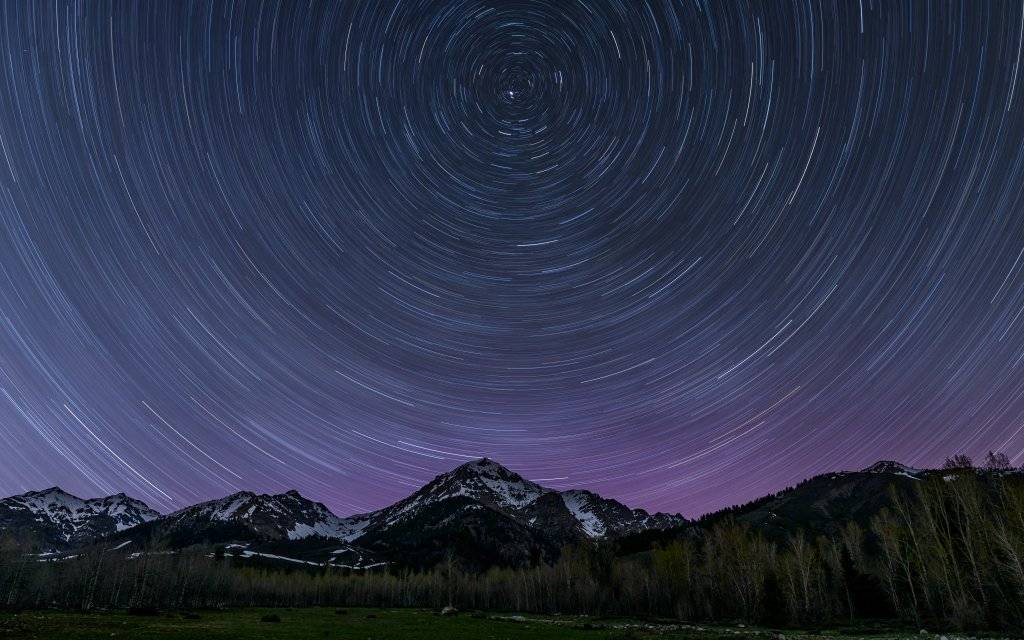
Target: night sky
680,253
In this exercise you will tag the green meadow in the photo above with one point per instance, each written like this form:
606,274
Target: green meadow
391,624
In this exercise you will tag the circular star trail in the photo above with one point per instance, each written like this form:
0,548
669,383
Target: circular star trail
682,253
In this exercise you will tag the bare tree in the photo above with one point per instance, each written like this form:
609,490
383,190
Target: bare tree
998,461
958,461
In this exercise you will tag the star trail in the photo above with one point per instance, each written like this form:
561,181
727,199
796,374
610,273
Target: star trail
680,253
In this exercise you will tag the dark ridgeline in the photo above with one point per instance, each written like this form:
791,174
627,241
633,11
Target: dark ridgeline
925,547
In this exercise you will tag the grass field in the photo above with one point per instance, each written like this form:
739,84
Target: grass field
397,624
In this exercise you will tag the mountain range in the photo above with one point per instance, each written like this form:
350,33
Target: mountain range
483,512
480,513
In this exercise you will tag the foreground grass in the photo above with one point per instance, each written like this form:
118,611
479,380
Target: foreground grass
397,624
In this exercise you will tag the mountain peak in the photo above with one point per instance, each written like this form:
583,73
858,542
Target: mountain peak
482,480
891,466
483,465
240,494
490,472
48,492
483,470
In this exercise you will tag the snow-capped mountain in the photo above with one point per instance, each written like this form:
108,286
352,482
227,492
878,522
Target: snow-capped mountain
492,486
893,467
483,481
488,514
286,516
57,519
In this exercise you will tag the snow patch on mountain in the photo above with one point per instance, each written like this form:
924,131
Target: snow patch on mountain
579,504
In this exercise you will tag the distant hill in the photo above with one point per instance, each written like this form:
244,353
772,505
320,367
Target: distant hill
821,505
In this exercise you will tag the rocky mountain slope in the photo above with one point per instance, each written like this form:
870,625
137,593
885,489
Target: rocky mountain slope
820,505
825,503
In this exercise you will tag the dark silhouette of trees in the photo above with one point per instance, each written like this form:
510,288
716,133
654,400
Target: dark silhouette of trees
949,554
997,461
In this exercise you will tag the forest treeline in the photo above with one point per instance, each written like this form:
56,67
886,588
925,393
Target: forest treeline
949,554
